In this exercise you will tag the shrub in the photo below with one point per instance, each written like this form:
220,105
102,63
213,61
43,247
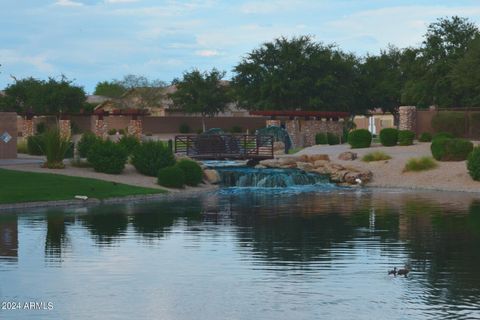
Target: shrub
405,137
332,138
41,127
107,156
184,128
376,156
171,177
452,122
86,142
442,135
473,164
151,156
193,172
112,131
445,149
22,146
123,131
36,145
360,138
425,137
389,137
129,142
70,150
321,138
56,147
420,164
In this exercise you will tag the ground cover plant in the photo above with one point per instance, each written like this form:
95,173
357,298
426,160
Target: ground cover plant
20,186
420,164
376,156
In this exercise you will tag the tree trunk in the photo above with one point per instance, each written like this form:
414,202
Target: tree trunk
203,124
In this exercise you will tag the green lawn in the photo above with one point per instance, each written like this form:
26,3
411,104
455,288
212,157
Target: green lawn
17,186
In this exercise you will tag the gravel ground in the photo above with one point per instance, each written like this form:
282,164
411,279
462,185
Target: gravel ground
448,176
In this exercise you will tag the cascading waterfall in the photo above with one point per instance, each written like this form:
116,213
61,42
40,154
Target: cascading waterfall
245,177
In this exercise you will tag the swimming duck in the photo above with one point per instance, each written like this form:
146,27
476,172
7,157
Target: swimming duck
394,271
403,272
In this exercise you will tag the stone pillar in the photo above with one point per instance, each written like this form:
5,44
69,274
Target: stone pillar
27,130
276,123
8,135
65,128
407,118
135,128
101,129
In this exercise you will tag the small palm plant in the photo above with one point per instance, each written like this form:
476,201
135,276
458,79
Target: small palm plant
55,148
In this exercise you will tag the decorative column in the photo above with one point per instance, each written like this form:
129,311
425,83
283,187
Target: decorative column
271,122
135,127
27,130
65,128
101,129
407,118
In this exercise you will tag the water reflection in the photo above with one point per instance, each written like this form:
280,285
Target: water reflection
320,251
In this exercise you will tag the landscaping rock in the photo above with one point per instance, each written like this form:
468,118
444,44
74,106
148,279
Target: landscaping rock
320,163
305,166
259,166
278,147
348,155
271,163
211,176
288,161
315,157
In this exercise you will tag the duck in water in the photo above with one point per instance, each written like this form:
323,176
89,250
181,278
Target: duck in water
394,271
403,272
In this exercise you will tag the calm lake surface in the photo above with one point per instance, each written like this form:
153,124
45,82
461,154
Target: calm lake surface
320,253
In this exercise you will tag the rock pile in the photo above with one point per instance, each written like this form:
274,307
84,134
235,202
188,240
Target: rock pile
320,163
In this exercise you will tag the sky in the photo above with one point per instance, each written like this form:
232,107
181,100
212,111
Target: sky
96,40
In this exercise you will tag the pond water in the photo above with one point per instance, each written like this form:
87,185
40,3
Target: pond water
243,254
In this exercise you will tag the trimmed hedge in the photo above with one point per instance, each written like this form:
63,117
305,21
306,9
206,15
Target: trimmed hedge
445,149
108,157
184,128
425,137
86,142
171,177
332,138
321,138
406,137
473,164
129,142
452,122
360,138
193,172
389,137
151,156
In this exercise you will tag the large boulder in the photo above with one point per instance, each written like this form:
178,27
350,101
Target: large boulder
305,166
315,157
320,163
211,176
270,163
348,155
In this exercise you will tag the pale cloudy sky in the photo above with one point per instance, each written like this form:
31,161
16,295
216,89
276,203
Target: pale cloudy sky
96,40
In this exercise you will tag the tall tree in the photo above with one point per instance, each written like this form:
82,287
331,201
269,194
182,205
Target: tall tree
201,92
298,73
111,89
44,97
465,76
141,92
446,42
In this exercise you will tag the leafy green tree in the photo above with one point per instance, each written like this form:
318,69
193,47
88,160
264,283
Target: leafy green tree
446,42
201,92
298,74
44,97
465,76
111,89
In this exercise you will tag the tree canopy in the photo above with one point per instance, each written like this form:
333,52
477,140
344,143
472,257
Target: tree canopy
201,92
43,96
111,89
297,73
